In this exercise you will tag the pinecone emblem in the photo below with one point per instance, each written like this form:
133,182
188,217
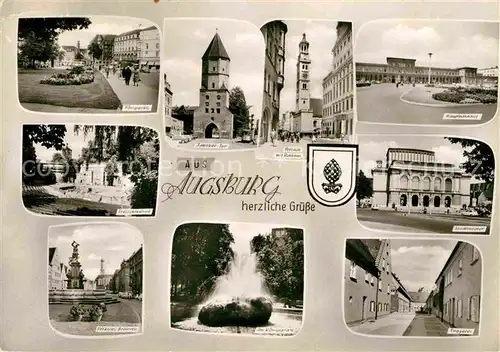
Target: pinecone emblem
332,173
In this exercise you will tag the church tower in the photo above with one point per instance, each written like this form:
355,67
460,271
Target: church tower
102,267
212,118
303,96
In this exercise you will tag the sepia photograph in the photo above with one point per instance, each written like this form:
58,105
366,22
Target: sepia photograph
238,278
427,184
212,73
90,170
91,64
433,72
308,88
95,280
415,288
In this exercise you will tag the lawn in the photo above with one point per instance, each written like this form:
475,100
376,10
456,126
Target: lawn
97,95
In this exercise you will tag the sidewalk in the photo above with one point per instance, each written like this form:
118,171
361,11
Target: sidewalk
394,324
389,227
141,95
426,325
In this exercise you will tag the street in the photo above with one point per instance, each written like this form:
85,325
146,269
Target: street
439,223
394,324
426,325
144,94
383,103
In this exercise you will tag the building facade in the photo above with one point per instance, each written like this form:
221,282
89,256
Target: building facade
405,70
102,281
489,72
456,299
368,280
56,271
338,88
149,40
274,76
212,118
287,121
419,300
136,266
106,42
127,46
412,180
400,298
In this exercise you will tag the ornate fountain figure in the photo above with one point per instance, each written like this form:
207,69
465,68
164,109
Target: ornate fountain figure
75,275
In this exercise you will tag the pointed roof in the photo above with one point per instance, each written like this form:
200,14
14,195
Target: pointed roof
216,49
304,40
52,251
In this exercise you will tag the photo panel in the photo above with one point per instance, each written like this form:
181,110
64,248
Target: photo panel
95,279
425,184
427,72
213,83
94,64
237,278
412,287
90,170
308,88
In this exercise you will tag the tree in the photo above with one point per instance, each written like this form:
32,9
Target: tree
79,56
95,50
280,259
58,158
200,254
239,109
32,49
480,160
111,169
48,136
365,186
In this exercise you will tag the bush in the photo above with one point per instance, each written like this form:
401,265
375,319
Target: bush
77,70
66,79
467,96
145,191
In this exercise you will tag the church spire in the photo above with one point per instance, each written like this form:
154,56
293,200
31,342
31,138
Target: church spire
102,267
216,49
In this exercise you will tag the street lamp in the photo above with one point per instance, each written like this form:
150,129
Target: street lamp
430,57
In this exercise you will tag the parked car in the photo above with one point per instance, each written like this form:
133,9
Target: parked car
469,212
375,207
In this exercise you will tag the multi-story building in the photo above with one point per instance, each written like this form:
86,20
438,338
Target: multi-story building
102,280
489,72
288,121
124,277
400,298
212,118
56,271
405,70
136,266
412,179
456,299
185,114
106,44
338,88
150,47
168,106
368,280
67,55
274,33
127,46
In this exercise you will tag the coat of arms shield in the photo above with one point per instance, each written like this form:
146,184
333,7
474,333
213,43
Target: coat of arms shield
332,172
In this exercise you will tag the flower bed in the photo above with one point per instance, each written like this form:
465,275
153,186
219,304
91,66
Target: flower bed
467,96
76,76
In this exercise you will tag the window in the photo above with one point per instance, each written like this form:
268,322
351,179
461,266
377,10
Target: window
367,277
475,255
372,281
448,278
206,110
474,308
388,289
218,104
445,308
459,308
380,285
352,272
213,85
218,97
304,85
207,97
379,307
372,306
207,103
218,110
460,263
351,299
383,264
213,68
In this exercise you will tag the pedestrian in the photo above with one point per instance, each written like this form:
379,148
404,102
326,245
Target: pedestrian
137,77
314,138
273,137
128,73
107,71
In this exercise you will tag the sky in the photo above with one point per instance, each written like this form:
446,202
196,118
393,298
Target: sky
417,263
113,242
243,233
453,43
186,43
75,142
373,148
321,36
102,25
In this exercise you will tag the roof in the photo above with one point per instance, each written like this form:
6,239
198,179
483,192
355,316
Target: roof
69,47
373,246
317,106
134,31
184,109
52,251
423,151
401,288
357,252
216,49
455,249
149,28
419,297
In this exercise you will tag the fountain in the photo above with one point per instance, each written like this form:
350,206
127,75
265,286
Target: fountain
75,292
240,300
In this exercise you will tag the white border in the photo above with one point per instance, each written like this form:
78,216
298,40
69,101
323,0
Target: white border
421,20
271,225
418,234
85,337
342,296
121,113
113,216
162,72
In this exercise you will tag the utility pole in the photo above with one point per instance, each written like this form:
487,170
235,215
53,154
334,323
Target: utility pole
430,58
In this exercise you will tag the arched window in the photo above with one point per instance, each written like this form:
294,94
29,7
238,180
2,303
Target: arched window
448,185
414,201
437,184
403,181
415,182
427,183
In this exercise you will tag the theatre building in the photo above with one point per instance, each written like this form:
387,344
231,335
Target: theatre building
405,70
367,280
212,118
412,178
457,297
